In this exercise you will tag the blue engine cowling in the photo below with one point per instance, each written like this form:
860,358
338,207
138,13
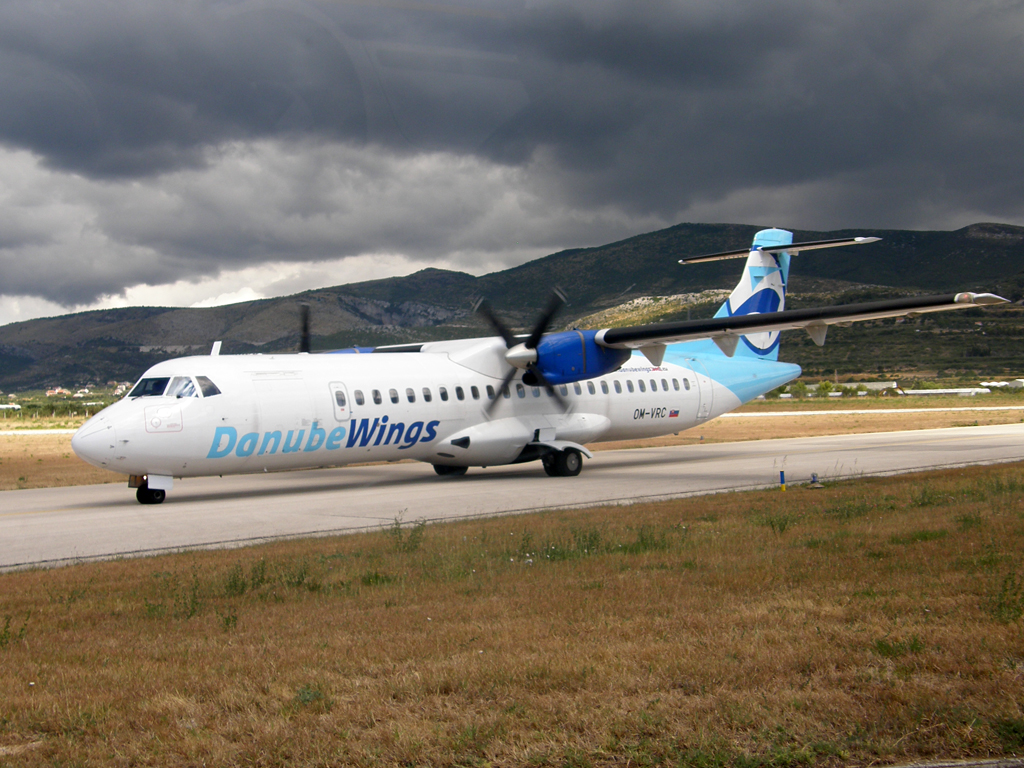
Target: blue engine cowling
573,356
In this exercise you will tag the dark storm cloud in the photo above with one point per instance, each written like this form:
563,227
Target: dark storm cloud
607,115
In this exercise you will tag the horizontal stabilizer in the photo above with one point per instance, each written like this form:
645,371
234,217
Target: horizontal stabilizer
814,320
790,249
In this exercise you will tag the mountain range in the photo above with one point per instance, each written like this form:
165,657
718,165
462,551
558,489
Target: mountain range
119,344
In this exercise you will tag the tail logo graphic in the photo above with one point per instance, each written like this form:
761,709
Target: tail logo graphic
761,289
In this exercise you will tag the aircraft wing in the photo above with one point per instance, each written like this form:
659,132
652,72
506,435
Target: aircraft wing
725,331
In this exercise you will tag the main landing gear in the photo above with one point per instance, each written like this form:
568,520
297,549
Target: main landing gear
565,463
147,495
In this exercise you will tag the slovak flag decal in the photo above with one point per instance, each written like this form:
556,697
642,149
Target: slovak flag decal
673,414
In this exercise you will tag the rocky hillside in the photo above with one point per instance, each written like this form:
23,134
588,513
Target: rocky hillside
98,346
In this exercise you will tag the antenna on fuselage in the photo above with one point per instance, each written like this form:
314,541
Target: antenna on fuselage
216,349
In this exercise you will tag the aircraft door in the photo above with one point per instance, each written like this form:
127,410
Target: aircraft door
339,399
705,391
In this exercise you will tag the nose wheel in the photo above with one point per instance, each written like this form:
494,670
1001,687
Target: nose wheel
147,495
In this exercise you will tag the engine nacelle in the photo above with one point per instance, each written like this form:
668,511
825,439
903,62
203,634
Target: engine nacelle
574,356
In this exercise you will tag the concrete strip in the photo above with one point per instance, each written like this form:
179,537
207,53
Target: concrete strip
50,526
869,411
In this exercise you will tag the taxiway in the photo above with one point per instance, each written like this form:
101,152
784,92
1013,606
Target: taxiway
56,526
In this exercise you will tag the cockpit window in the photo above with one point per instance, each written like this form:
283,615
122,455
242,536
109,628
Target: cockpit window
181,386
149,387
208,388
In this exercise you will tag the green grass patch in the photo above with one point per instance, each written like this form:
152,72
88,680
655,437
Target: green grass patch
916,537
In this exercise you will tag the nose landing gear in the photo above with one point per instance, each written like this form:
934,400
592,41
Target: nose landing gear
147,495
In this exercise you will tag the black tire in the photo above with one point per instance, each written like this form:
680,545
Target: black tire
550,462
567,463
147,495
447,471
571,462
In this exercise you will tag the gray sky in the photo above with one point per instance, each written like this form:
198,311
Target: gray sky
180,153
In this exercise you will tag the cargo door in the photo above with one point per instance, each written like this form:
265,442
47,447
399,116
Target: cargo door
705,390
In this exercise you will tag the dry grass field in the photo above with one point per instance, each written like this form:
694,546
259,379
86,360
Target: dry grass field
868,622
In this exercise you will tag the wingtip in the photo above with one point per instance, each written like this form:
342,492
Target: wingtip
980,299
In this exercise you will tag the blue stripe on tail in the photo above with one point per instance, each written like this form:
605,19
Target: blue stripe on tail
762,288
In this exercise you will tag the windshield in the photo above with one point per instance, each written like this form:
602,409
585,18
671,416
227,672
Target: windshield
181,386
149,387
208,387
177,386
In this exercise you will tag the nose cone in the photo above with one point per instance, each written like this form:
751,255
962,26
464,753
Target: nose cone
94,442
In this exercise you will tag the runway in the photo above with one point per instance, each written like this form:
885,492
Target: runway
57,526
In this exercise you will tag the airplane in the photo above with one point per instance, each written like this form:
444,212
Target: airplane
479,402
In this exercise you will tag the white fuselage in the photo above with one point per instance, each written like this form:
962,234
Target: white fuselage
277,412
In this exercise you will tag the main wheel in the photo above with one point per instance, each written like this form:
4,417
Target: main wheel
445,470
567,463
550,462
571,462
147,495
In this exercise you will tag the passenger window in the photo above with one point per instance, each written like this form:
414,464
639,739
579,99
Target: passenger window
443,393
339,398
490,392
640,384
149,387
576,388
520,390
460,393
654,385
675,384
604,387
664,385
427,397
359,397
629,384
618,387
394,395
504,392
475,392
564,390
410,394
590,388
686,384
377,399
207,387
181,386
536,391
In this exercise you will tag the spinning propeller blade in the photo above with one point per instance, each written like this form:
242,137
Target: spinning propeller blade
304,334
555,303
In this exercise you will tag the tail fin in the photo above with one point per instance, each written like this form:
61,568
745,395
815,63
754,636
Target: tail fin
762,288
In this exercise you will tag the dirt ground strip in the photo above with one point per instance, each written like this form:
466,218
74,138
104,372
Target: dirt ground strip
37,460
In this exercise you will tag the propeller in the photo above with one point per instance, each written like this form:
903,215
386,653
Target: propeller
304,334
523,355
